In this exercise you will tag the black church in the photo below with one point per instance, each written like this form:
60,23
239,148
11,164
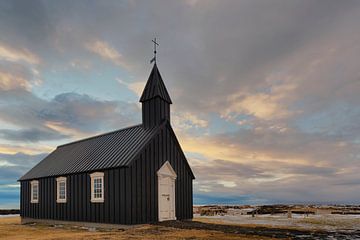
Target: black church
134,175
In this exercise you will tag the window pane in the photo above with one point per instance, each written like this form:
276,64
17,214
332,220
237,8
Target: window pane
35,191
97,191
62,190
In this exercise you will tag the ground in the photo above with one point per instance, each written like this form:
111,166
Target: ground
217,227
10,228
321,222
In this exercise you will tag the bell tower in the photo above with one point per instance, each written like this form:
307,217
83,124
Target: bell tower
155,100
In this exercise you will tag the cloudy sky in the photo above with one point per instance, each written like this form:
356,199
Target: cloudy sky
266,92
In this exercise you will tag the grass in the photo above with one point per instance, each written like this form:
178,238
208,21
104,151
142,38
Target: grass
320,223
10,228
329,222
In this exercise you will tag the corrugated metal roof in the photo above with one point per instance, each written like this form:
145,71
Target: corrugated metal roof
114,149
155,87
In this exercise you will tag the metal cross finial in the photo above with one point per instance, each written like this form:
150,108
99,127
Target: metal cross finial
155,44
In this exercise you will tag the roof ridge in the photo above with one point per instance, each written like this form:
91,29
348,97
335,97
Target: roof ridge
100,135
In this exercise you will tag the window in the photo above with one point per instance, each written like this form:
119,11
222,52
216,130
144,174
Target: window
97,187
61,190
34,191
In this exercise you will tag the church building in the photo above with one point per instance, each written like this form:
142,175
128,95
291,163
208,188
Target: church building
134,175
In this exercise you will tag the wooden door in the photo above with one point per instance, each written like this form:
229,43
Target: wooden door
166,196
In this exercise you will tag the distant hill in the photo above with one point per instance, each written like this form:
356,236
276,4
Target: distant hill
9,211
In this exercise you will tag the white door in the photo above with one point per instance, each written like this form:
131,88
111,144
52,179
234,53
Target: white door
166,184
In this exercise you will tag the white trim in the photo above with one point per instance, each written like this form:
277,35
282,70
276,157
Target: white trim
32,186
58,181
163,173
93,176
167,173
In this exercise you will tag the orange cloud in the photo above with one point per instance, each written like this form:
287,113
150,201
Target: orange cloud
60,127
17,54
215,148
136,87
106,51
9,82
188,120
265,106
25,148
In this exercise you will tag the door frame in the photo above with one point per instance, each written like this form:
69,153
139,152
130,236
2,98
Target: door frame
166,171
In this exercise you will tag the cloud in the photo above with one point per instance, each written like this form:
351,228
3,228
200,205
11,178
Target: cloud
267,144
136,87
187,120
67,114
87,114
16,165
12,167
275,166
275,183
24,148
80,64
18,68
4,163
9,82
205,199
107,52
269,105
32,135
17,55
79,111
15,76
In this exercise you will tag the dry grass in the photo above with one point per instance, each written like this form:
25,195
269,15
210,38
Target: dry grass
341,223
222,222
326,222
10,228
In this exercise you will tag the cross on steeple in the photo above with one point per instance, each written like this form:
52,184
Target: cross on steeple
155,44
155,99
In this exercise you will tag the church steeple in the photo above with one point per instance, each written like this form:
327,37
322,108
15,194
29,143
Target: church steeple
155,87
155,100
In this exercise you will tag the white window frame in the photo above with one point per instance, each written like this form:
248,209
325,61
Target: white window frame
60,180
93,176
33,184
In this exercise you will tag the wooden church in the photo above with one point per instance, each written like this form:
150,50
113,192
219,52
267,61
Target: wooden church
133,175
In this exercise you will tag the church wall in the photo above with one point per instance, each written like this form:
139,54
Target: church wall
144,186
78,206
130,193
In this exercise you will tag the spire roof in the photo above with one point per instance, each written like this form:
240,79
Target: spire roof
155,87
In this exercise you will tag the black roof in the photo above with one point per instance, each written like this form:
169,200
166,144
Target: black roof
155,87
109,150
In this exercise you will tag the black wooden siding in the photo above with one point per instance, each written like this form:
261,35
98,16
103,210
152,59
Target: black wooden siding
131,194
155,111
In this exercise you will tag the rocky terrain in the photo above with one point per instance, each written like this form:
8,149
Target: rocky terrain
278,221
212,210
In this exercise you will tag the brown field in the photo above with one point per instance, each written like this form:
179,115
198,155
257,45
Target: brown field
10,228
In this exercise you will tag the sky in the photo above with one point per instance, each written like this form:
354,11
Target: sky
266,93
